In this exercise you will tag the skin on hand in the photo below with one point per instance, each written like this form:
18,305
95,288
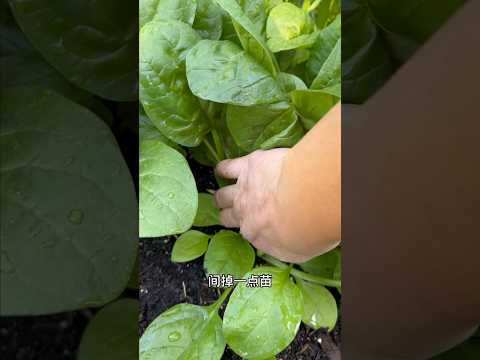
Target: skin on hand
286,202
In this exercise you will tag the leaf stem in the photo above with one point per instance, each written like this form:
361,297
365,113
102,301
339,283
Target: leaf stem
314,5
212,150
218,145
301,274
216,305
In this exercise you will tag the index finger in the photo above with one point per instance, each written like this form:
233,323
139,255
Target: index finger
230,169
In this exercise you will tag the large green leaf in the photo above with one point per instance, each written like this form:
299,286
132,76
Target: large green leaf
230,254
148,131
220,71
407,24
324,45
324,265
68,202
261,322
164,90
112,334
181,10
22,65
189,246
184,332
366,63
249,32
312,105
207,214
330,74
208,20
319,306
168,193
91,48
264,126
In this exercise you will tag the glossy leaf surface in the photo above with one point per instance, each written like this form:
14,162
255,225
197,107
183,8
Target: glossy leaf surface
168,193
184,332
261,322
230,254
189,246
68,202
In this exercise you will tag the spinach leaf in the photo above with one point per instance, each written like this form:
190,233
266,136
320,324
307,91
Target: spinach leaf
261,322
222,72
68,202
323,47
319,306
408,24
148,131
189,246
289,27
366,63
112,334
209,20
251,39
324,265
153,10
207,213
312,105
168,193
264,127
92,49
230,254
184,332
330,72
164,90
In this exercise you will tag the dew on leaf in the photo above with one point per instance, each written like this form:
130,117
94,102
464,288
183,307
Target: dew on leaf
174,336
75,216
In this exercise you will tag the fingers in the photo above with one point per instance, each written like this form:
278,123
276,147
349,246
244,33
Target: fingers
228,218
225,197
230,169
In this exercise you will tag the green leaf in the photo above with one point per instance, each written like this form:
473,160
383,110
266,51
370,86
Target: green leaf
168,193
222,72
330,72
323,265
207,213
324,45
153,10
312,105
261,322
22,65
68,202
189,246
289,27
148,131
230,254
264,127
112,334
164,90
319,306
366,63
93,49
208,20
251,39
184,332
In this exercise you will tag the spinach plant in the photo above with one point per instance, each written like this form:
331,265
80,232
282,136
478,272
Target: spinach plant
220,79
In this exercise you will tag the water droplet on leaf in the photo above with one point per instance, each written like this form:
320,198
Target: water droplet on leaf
171,195
174,336
75,216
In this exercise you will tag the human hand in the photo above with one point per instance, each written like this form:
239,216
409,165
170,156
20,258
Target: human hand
252,204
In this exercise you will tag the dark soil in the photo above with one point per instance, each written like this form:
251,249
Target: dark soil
54,337
164,284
